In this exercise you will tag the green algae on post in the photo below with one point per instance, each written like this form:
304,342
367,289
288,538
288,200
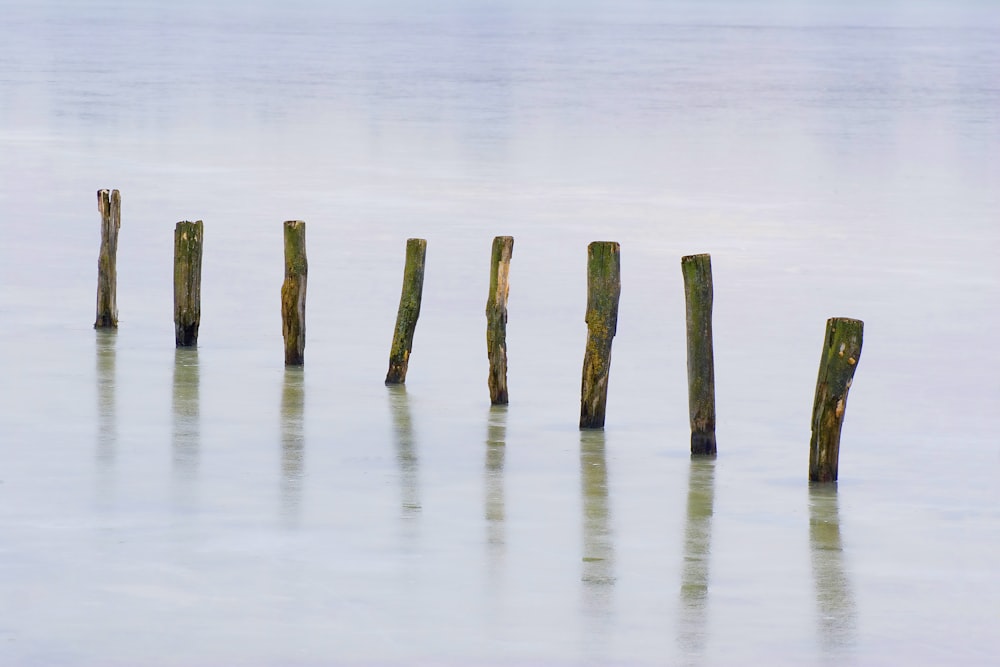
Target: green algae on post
496,318
110,207
188,238
841,353
603,292
697,270
409,311
293,293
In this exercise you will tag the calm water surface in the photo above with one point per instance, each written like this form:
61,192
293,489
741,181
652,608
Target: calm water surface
210,507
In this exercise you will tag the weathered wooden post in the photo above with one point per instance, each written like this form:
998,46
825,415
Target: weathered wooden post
110,207
841,352
603,291
496,318
697,270
293,293
187,282
409,311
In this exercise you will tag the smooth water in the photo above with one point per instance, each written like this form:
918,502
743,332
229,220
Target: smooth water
210,507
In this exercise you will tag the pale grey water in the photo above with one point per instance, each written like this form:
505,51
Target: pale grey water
209,507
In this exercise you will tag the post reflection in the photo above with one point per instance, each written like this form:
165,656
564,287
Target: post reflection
292,443
107,417
187,424
598,573
406,451
834,599
697,554
496,450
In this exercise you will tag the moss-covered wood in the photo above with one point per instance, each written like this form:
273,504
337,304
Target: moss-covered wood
841,353
293,293
496,318
188,238
409,311
697,270
603,291
110,205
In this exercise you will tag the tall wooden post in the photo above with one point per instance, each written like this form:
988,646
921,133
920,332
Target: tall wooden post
409,311
603,291
841,352
496,318
697,270
110,206
187,282
293,293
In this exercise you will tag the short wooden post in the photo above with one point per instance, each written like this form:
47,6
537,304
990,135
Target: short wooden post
409,311
496,318
603,291
697,270
187,282
293,293
841,352
110,206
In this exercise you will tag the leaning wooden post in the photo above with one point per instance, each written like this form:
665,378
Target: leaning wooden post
841,352
110,206
293,293
187,282
409,311
697,270
603,290
496,318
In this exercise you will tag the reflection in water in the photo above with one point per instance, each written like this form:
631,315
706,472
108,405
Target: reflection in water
496,446
187,436
833,590
697,552
598,550
292,443
406,453
107,418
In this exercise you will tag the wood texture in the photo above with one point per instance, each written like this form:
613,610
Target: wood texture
603,292
697,270
496,318
293,293
188,238
841,353
109,204
409,311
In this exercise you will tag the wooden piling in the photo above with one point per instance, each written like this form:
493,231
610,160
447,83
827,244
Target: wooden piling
603,291
496,318
293,293
187,282
841,352
697,270
109,205
409,311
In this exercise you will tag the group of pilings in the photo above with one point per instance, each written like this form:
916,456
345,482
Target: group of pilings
841,348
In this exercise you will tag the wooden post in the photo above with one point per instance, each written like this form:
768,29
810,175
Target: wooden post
293,293
603,290
496,318
110,206
187,282
841,352
697,270
409,311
